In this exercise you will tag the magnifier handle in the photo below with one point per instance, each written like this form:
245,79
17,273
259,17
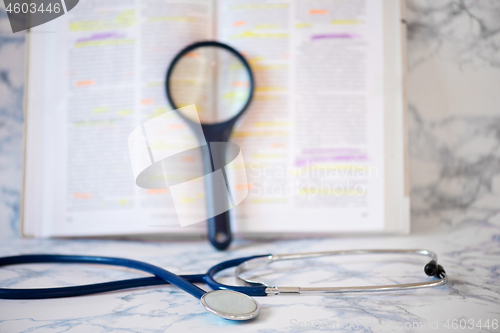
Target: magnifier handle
219,231
219,226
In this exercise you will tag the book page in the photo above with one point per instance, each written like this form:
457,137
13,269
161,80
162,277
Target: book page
103,68
312,138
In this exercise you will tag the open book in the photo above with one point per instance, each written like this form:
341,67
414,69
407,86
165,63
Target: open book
323,140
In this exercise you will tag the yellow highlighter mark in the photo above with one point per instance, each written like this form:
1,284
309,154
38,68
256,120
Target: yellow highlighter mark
261,6
95,123
125,19
125,112
236,66
155,84
158,112
191,199
235,96
256,67
338,192
251,34
272,123
347,22
185,81
266,97
266,156
263,89
105,42
264,200
258,134
171,19
101,109
267,26
255,60
303,25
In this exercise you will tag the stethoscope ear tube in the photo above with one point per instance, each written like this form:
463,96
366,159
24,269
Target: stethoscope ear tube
431,269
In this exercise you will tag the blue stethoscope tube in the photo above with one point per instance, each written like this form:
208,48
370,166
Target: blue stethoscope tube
161,277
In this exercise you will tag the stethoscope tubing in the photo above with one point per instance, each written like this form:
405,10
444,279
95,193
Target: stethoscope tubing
162,277
185,282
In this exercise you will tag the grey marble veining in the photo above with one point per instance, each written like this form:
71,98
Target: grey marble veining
454,118
454,111
11,118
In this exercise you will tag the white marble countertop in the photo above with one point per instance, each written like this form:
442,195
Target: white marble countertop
470,254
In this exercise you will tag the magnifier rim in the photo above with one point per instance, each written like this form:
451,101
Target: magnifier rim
196,45
231,316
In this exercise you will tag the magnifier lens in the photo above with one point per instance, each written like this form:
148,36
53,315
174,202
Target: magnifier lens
212,78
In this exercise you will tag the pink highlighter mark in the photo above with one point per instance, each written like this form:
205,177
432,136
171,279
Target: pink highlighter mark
315,160
334,36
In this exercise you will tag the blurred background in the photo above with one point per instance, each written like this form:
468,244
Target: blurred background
453,91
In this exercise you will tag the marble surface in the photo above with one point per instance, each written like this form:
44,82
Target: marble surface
454,112
470,254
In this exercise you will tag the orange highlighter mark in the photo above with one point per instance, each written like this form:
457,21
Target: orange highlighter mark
241,84
82,196
239,23
147,101
85,83
177,126
157,191
192,55
318,11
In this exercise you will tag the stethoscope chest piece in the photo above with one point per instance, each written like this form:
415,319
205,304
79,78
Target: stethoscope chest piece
230,304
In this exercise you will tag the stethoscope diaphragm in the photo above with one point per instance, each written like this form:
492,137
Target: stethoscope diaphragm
230,304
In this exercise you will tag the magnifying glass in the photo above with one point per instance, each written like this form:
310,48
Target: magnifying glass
218,80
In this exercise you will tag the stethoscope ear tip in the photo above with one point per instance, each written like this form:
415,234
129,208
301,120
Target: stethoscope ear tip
230,304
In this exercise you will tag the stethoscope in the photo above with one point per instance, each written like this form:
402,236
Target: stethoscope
226,301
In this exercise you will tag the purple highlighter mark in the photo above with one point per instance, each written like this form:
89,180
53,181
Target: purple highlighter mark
315,160
100,36
334,36
353,151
